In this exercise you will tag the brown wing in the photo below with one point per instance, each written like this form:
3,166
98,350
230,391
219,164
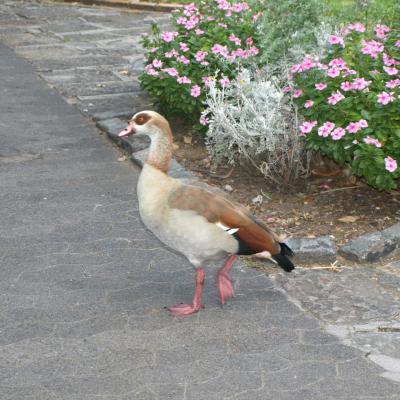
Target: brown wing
216,208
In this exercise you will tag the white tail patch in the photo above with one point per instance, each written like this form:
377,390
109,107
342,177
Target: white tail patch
231,231
265,254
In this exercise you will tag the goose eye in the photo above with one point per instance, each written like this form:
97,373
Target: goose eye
142,119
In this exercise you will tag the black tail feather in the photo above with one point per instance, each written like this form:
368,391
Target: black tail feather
285,249
282,258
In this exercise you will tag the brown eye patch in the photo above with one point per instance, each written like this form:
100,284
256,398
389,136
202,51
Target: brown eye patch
141,119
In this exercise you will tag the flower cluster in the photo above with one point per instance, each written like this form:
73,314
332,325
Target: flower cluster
350,101
206,42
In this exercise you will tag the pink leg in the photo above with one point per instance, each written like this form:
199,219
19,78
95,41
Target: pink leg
187,309
224,283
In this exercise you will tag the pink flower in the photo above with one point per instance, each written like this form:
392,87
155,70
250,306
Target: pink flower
326,129
334,39
308,104
357,26
224,82
151,71
360,83
256,16
307,127
183,79
192,22
346,72
172,53
184,47
171,71
338,63
235,39
195,91
333,72
199,31
338,133
286,89
249,41
168,36
240,53
362,123
219,49
320,86
200,55
335,98
297,93
181,20
207,80
183,60
353,127
385,98
373,141
390,70
346,86
397,44
157,63
306,64
389,61
392,84
204,63
372,48
390,164
381,30
204,120
253,51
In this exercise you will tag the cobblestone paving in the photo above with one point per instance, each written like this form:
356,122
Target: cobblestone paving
83,284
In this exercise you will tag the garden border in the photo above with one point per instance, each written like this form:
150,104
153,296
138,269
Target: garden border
370,247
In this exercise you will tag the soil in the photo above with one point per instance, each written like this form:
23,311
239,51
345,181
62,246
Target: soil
329,202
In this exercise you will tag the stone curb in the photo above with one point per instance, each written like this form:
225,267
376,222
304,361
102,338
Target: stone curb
372,246
321,250
133,5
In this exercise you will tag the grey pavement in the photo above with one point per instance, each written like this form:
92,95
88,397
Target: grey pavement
83,283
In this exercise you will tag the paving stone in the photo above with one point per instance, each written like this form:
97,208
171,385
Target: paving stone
83,283
320,250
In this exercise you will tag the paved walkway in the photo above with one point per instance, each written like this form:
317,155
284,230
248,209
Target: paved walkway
83,284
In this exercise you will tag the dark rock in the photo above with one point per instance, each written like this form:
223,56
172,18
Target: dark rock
319,250
372,246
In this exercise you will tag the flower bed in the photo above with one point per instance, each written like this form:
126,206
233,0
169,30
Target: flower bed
207,41
350,102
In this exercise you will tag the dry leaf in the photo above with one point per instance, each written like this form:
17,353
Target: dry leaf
175,146
349,219
187,139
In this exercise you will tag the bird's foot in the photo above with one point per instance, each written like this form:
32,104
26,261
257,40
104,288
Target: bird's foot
184,309
225,288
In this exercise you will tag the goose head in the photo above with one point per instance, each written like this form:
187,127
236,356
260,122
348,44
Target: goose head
148,123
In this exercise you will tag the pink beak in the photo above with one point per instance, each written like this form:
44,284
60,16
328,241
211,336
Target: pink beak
129,130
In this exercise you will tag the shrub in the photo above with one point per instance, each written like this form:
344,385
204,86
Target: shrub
207,40
251,121
350,102
287,26
369,12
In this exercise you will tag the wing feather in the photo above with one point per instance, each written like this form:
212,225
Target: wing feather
218,209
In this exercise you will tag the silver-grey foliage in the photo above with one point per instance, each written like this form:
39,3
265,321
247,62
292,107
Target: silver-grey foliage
252,121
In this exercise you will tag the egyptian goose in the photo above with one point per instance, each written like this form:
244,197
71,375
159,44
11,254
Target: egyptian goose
202,225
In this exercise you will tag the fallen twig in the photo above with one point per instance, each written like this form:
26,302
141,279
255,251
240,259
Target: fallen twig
225,176
337,189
